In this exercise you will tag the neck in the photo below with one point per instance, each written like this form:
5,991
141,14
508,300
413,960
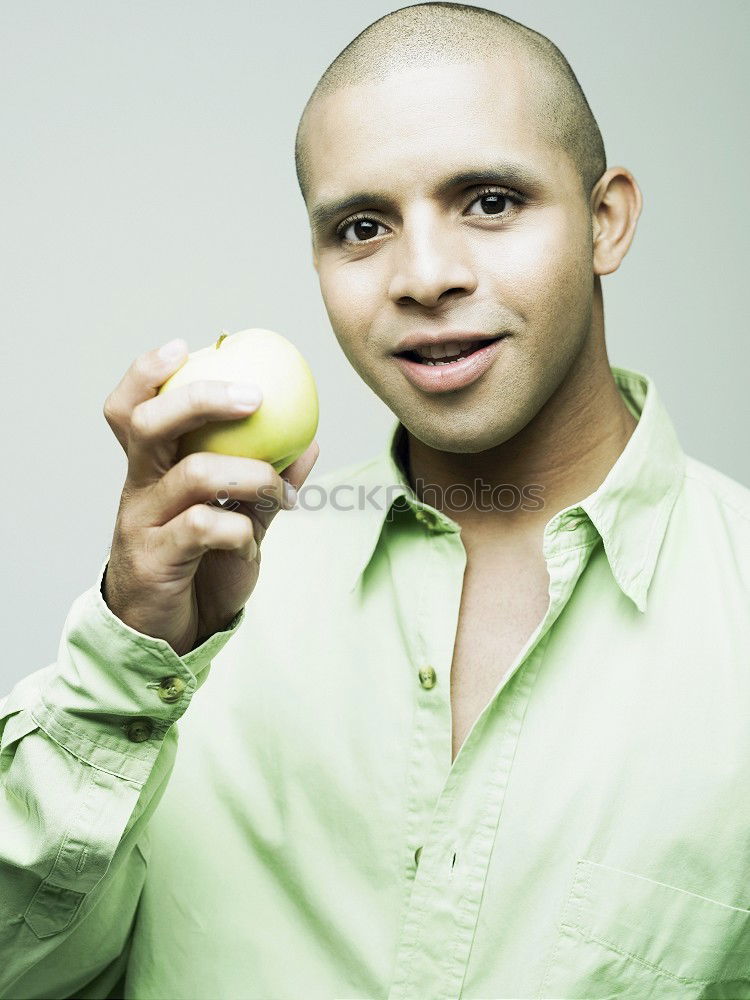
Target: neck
565,452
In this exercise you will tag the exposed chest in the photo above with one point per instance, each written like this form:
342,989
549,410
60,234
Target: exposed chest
502,602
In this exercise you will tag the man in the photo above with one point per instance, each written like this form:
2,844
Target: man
457,747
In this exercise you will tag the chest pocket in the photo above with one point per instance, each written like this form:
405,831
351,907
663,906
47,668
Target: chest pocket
627,936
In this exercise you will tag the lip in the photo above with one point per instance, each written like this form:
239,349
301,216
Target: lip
456,375
416,340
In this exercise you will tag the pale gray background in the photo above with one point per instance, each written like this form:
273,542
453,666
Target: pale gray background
148,192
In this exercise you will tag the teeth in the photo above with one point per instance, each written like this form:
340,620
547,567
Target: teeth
449,350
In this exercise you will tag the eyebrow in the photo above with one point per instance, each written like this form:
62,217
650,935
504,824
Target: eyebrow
510,174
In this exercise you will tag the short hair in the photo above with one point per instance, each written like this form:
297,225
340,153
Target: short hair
426,34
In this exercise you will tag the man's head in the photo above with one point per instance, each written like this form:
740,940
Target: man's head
425,94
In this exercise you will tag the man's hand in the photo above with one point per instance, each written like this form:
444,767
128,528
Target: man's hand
180,568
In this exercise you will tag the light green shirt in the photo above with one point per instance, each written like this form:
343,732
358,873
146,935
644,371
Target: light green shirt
309,837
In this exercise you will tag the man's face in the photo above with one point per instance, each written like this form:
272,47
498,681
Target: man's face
434,258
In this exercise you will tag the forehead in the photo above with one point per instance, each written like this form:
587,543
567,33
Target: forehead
416,122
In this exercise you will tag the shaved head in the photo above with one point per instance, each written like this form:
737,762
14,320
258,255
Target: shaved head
428,34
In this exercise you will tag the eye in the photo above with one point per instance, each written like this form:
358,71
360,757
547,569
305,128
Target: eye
363,225
493,199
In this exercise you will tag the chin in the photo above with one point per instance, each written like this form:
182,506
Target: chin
459,438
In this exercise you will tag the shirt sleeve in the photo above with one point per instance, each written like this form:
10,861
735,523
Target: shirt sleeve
87,746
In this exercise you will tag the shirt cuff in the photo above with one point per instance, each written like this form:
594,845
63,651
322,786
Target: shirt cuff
114,692
198,660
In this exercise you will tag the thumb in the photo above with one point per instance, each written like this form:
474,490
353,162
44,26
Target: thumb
294,474
299,470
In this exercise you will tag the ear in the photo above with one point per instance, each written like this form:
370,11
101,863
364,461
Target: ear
314,255
616,203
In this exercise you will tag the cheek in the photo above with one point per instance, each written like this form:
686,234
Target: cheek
544,269
350,295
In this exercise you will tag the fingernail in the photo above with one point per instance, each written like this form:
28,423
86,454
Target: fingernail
244,394
172,350
290,495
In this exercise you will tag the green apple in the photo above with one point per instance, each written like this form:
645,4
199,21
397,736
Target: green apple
284,423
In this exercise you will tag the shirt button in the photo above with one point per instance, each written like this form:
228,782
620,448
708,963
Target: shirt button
417,855
570,522
170,689
139,730
427,678
427,518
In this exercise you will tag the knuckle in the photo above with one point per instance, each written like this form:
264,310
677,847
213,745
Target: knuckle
109,411
196,469
143,366
141,421
198,520
199,395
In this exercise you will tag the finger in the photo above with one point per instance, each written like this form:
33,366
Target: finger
299,470
140,382
263,513
294,475
214,480
157,424
187,537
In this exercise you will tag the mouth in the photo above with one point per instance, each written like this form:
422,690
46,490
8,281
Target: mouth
441,375
453,359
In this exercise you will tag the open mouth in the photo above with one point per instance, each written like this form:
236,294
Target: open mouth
466,352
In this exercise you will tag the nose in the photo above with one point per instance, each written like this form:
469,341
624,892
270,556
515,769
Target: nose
430,263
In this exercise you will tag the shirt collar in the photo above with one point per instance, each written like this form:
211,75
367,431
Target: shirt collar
630,510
